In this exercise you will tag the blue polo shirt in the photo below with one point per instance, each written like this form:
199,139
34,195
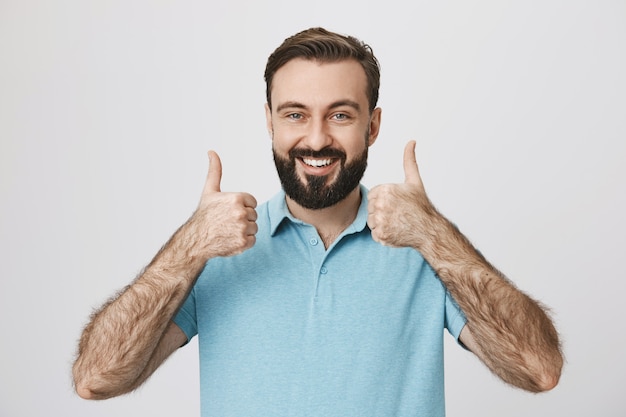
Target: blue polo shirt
289,328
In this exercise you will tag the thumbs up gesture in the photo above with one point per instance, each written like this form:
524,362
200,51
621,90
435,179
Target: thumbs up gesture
398,214
224,224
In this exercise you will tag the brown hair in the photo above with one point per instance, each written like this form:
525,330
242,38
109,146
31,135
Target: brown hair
318,44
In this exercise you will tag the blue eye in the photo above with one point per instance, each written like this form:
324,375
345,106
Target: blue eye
340,116
294,116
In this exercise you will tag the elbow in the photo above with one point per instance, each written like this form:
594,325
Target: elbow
84,392
548,381
81,383
90,391
92,387
536,383
82,387
549,377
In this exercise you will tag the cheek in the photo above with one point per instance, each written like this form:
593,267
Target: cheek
283,139
358,143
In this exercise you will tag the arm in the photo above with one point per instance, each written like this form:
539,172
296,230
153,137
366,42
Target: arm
99,388
509,331
131,335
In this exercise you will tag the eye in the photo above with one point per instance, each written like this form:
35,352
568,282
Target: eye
294,116
340,116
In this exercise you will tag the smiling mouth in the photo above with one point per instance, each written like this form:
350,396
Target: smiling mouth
317,163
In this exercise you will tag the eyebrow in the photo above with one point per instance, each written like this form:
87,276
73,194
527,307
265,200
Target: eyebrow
339,103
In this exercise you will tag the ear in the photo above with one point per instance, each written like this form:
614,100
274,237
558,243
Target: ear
268,121
374,127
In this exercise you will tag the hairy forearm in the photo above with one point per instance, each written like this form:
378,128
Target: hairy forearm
121,338
513,334
129,337
508,330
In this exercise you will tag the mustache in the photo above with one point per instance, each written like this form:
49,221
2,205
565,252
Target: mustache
322,153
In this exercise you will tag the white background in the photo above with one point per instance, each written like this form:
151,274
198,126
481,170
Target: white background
107,109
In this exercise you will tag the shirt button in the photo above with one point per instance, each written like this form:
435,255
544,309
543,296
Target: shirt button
313,241
323,270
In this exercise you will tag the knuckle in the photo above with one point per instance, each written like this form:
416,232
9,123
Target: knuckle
235,199
239,213
253,201
252,214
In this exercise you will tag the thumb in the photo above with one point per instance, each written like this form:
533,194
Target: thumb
214,176
411,172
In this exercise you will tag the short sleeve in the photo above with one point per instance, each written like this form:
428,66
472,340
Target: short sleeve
455,318
186,317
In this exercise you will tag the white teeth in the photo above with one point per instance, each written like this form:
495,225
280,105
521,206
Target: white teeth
317,162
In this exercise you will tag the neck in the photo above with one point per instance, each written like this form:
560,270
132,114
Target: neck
329,221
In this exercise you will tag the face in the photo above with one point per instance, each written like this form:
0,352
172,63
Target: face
321,129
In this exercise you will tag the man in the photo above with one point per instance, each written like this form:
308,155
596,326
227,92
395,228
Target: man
328,299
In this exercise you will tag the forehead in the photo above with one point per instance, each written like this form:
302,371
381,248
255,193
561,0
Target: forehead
315,83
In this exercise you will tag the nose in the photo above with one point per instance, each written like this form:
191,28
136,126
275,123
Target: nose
318,136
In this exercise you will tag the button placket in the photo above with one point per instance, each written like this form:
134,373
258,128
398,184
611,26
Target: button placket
314,241
317,252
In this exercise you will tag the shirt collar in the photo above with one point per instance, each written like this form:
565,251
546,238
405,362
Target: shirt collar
278,212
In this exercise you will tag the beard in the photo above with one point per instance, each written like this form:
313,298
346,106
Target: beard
317,193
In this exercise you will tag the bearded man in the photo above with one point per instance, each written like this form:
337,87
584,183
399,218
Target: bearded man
330,299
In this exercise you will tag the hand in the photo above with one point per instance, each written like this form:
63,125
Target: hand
224,224
398,214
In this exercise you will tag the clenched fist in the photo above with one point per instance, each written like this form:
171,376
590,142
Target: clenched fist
224,224
399,214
